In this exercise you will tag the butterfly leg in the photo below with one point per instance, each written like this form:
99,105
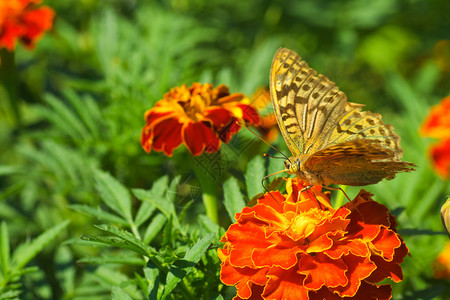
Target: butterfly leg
337,189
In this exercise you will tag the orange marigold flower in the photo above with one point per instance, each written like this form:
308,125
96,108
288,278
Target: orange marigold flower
437,124
440,154
296,246
441,265
199,116
23,20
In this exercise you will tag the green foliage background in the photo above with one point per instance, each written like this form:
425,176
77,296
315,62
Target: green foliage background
71,164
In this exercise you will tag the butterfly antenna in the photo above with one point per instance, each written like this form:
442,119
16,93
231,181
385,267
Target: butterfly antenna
242,125
271,156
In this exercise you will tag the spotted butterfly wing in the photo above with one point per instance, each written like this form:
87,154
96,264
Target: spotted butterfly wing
331,140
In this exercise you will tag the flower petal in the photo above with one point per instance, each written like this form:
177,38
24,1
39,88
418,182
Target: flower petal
322,270
199,137
165,136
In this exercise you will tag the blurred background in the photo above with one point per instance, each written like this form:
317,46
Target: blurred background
84,89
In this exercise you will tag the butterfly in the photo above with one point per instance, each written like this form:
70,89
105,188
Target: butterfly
332,141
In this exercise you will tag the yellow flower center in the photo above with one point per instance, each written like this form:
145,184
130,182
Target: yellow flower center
305,223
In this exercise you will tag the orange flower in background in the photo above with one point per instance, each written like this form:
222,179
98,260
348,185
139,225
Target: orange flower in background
269,127
437,125
199,116
296,246
440,153
23,20
441,265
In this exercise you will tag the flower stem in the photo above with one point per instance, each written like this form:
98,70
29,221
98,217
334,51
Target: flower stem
9,82
203,169
210,202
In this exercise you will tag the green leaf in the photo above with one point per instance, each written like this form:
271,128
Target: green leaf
99,214
111,277
208,224
114,195
124,260
25,252
63,118
118,294
88,111
234,200
182,267
153,279
255,172
145,211
10,295
4,248
154,228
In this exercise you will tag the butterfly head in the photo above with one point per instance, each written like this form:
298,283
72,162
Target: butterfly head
292,165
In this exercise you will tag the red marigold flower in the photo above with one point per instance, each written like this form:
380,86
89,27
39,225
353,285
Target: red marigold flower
440,154
199,116
23,20
296,246
437,124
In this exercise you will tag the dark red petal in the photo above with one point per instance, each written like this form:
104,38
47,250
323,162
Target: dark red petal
373,292
219,116
226,132
166,136
250,114
197,137
359,268
384,270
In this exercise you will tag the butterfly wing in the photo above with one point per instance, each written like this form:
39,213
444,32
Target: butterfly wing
306,104
358,162
314,114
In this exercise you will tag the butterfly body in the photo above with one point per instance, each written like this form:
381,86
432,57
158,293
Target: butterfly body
332,141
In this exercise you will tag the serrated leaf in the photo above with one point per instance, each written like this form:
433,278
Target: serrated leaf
114,195
128,237
233,198
25,252
99,214
182,267
64,118
87,110
114,242
160,203
253,176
